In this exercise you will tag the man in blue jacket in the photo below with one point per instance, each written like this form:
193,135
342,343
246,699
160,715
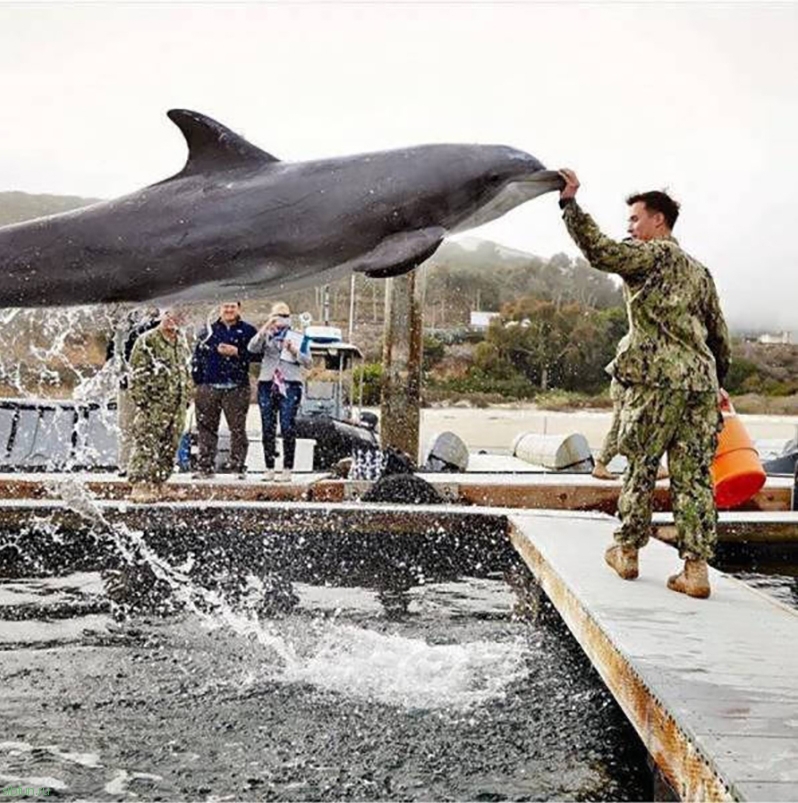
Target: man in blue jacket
220,370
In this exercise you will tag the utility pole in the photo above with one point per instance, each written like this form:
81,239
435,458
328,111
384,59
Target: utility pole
400,418
351,307
325,314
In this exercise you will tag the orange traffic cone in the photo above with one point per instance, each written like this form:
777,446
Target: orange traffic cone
737,472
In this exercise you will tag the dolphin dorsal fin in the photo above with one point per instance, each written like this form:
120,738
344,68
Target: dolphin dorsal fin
212,146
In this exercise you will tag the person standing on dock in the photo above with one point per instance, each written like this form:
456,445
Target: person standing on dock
671,370
159,383
609,447
119,349
220,370
286,355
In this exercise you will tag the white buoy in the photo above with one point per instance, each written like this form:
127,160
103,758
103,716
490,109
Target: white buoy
555,452
446,452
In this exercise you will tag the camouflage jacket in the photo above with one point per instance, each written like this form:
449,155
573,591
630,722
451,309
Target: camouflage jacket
677,335
624,341
159,373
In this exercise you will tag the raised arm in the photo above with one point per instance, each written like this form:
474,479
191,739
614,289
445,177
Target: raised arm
262,340
628,259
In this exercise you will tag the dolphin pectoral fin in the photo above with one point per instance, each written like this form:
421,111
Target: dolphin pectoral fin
399,253
212,146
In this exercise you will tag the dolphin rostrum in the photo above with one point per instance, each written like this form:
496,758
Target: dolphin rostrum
236,221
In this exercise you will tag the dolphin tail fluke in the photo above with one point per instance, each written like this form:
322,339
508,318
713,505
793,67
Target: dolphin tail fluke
399,253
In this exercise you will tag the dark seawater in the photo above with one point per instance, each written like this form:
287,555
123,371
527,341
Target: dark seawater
771,566
437,691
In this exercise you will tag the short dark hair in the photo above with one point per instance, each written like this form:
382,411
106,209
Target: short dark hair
657,201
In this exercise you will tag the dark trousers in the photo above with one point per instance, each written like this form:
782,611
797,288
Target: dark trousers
210,403
271,402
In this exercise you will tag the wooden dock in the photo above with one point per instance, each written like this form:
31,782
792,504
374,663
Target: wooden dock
539,491
711,686
751,527
523,490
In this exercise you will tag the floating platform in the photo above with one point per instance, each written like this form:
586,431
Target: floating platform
529,490
711,686
541,491
224,487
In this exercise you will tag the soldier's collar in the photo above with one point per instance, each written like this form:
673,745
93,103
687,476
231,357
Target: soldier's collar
668,239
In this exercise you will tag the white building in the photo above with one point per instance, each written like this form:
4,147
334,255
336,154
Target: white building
780,337
481,320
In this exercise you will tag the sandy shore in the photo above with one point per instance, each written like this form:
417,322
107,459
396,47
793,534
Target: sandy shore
495,428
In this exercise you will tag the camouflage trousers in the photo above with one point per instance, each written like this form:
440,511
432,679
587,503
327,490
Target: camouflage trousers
155,438
610,446
125,412
684,424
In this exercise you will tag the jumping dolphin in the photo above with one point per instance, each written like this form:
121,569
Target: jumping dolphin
236,221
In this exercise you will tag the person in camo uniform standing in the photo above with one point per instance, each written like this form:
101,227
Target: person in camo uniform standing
671,369
159,377
609,447
119,349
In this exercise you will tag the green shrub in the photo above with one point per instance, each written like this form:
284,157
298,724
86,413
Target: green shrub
740,370
434,351
477,381
372,382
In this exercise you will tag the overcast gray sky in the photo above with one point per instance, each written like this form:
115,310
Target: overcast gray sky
701,99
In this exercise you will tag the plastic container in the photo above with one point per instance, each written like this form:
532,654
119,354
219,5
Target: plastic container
737,471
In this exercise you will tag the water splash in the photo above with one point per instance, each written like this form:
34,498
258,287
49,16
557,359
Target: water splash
408,672
48,352
209,606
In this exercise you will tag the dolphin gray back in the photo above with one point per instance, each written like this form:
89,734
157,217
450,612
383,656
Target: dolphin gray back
237,220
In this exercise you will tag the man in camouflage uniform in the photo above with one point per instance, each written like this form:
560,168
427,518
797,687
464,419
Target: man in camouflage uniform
119,349
159,389
609,447
671,370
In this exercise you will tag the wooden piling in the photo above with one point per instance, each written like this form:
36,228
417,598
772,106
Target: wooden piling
400,419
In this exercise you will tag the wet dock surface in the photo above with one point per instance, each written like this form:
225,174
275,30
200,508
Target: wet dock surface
495,488
710,686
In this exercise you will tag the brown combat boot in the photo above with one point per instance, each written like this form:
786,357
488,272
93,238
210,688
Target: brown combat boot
693,580
624,560
601,472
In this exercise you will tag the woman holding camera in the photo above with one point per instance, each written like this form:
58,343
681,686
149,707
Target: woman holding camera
285,356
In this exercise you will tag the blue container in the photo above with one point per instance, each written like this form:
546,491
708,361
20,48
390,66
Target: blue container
184,452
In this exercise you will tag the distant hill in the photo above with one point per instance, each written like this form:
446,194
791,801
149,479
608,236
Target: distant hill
19,206
473,274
